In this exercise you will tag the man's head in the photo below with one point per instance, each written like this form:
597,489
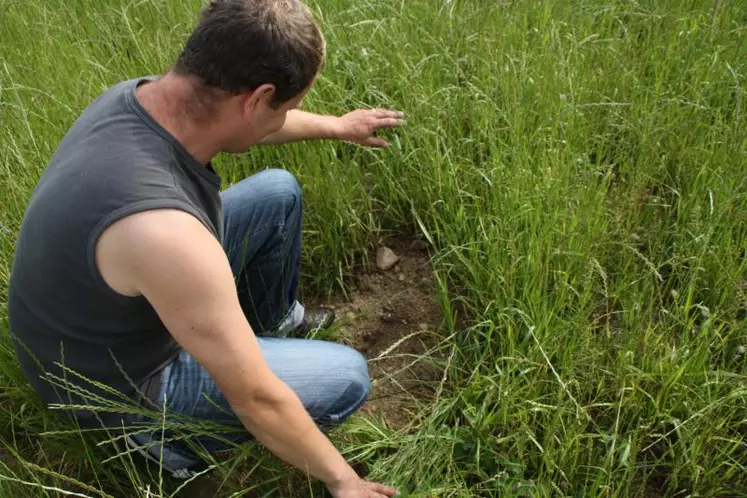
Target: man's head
258,57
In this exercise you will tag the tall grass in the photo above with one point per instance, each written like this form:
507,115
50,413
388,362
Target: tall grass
580,168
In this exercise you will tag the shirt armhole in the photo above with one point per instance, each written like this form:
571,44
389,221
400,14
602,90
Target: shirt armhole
123,212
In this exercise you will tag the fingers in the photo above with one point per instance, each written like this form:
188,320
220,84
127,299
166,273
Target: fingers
385,118
364,123
374,494
387,113
376,142
389,123
383,490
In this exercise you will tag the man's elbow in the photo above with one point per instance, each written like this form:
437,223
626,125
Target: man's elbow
265,398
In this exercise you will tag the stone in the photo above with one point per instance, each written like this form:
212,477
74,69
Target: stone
386,259
401,277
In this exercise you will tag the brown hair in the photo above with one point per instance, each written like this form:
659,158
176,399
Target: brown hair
239,45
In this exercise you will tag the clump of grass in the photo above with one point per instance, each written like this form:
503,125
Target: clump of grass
579,168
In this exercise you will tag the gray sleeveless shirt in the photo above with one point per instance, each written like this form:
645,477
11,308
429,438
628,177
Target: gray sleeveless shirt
115,161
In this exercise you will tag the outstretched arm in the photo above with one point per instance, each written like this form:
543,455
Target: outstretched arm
359,126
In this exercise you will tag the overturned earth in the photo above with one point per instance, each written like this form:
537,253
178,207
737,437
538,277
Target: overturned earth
393,317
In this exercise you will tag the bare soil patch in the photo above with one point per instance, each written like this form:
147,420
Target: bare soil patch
393,318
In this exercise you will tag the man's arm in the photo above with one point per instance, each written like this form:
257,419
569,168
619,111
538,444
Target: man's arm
358,126
170,258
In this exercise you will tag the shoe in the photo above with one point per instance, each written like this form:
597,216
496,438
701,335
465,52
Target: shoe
149,454
314,321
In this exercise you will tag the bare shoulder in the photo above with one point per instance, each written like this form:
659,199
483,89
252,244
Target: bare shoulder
147,238
173,261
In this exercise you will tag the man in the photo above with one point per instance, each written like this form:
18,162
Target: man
133,274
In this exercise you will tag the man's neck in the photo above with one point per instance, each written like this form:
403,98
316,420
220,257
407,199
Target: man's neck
167,100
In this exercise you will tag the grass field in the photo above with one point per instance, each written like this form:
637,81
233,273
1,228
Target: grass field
579,168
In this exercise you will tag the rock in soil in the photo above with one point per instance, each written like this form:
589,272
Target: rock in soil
386,258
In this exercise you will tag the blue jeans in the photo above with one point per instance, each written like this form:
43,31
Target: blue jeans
263,216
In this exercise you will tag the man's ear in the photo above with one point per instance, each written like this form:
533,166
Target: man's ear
260,97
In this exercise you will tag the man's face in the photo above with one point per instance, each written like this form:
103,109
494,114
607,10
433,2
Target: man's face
258,119
276,117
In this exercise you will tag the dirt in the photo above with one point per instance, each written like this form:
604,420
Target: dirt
393,318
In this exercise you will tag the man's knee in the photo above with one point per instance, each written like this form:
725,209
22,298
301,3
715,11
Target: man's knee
350,366
284,186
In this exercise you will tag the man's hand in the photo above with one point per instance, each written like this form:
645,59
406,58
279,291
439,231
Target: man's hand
358,488
360,126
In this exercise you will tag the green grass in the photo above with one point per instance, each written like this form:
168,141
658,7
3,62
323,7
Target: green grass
580,167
